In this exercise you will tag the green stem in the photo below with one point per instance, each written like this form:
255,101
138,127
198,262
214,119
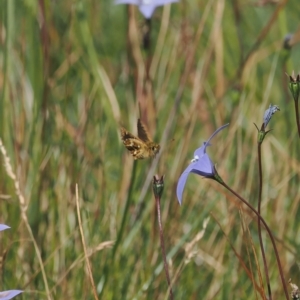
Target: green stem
258,221
126,209
297,117
162,244
109,266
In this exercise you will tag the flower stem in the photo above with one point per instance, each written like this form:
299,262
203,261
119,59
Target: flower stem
162,245
259,222
297,116
269,232
147,35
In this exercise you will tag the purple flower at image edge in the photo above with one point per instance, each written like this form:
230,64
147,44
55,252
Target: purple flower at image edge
6,295
146,7
3,227
201,164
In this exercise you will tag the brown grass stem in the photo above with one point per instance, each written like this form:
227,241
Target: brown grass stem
244,266
86,256
270,234
80,259
259,223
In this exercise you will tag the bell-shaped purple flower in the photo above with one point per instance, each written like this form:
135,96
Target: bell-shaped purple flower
146,7
3,227
6,295
201,164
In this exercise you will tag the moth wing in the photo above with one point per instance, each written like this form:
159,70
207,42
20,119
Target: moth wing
126,135
135,145
142,131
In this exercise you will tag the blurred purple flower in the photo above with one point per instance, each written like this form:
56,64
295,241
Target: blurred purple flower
3,227
146,7
6,295
201,164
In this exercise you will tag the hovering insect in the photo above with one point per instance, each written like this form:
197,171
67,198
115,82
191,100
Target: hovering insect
142,146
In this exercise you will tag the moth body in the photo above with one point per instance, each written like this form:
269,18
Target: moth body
142,146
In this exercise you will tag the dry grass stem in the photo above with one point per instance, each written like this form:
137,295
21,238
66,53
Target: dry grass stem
86,254
23,208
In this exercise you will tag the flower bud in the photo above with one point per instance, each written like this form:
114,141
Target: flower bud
294,86
158,185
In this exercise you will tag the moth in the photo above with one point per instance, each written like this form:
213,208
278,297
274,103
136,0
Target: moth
140,146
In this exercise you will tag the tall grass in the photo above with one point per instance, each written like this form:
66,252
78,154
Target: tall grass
73,72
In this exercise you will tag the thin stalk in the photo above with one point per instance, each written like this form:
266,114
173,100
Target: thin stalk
23,208
110,265
126,209
248,272
258,221
162,245
297,117
269,232
147,35
86,256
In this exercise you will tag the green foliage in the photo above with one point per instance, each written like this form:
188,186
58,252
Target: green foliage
72,73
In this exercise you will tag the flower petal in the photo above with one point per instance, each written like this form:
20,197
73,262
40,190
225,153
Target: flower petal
204,166
201,165
146,7
6,295
182,180
160,2
134,2
218,130
147,10
3,227
269,113
202,150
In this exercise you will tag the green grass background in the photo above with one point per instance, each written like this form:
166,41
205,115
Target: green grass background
73,72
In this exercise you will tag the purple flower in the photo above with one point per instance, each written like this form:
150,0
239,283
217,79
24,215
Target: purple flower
269,113
201,164
146,7
3,227
6,295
